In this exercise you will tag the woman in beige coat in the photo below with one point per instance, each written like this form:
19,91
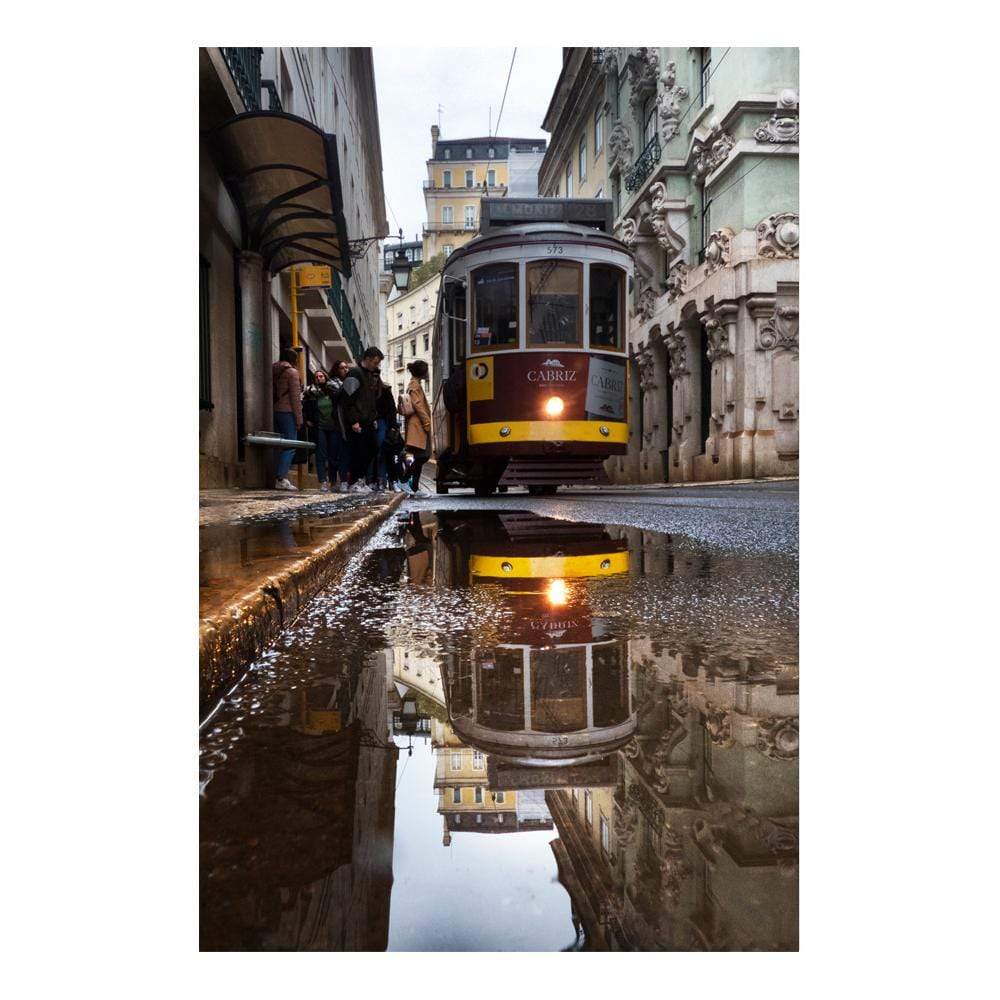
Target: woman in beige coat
418,425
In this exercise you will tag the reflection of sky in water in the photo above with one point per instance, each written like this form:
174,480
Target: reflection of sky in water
486,892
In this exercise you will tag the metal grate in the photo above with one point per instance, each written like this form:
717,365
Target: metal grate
244,65
644,164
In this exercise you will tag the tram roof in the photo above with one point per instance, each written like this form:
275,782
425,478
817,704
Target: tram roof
537,232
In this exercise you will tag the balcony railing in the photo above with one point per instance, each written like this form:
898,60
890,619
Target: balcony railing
644,164
273,100
342,310
244,65
451,227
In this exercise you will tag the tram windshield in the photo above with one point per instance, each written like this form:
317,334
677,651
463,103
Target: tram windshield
555,290
495,304
606,300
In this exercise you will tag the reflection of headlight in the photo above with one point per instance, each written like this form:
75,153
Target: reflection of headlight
557,592
553,406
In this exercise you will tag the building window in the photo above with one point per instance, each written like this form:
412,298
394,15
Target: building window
494,305
588,807
500,819
413,315
500,799
447,215
447,154
458,820
423,308
468,152
581,168
447,178
456,762
470,216
479,817
456,796
706,223
491,153
491,178
413,348
477,760
204,337
399,321
554,313
706,75
427,341
469,178
479,794
648,120
598,132
607,301
448,248
600,193
605,836
569,180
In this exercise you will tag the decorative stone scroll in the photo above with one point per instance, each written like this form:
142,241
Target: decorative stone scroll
658,220
630,231
778,235
718,340
643,65
669,102
646,303
778,738
620,146
676,281
781,331
783,125
717,250
711,152
677,349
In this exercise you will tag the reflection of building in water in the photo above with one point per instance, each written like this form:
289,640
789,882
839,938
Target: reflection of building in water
466,800
699,847
297,832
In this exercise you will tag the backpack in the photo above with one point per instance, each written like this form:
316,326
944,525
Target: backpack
405,407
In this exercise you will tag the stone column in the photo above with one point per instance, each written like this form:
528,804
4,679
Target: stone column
720,325
683,446
256,364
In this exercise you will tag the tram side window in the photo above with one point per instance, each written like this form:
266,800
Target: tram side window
455,304
554,292
495,305
607,297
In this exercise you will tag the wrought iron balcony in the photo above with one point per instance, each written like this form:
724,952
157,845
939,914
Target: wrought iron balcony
342,310
273,100
644,164
244,65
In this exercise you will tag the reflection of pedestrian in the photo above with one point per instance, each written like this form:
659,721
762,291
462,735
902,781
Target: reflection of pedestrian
287,411
418,554
319,406
418,423
358,412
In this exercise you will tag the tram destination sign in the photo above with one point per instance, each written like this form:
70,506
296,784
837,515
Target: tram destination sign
499,213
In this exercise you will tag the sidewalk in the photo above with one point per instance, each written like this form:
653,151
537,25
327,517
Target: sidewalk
263,555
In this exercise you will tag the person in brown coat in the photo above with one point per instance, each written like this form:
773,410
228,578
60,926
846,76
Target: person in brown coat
287,411
418,424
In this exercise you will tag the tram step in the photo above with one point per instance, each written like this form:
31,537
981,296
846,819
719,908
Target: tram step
546,470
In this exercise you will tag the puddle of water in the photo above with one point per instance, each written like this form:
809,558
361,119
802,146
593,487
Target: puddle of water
505,732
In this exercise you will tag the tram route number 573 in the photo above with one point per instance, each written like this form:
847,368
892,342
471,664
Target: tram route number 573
553,248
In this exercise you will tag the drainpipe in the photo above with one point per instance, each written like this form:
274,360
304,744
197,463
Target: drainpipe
256,362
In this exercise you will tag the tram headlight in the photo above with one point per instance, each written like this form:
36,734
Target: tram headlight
553,406
557,593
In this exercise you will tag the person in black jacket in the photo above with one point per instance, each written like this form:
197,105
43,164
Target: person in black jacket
319,407
380,473
359,415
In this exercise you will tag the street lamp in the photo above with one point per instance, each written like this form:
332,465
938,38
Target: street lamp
401,267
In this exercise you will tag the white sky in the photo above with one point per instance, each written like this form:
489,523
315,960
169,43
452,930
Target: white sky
411,82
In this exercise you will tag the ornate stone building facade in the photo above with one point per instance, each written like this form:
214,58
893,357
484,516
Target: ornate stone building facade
702,166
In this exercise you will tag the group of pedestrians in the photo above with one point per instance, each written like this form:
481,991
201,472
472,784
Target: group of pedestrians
360,446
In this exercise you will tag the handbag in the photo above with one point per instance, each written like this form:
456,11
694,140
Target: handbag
405,407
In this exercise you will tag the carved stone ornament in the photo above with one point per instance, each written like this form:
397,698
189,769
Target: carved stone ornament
620,147
719,726
783,125
646,304
677,349
676,279
643,66
778,235
717,250
657,217
778,738
718,339
781,331
647,371
630,232
711,152
669,102
626,819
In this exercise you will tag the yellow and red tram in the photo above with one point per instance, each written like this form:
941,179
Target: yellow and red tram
530,350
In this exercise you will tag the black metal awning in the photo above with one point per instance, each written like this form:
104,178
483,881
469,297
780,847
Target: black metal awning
284,174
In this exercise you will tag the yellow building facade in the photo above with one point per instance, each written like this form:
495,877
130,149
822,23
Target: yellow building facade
461,172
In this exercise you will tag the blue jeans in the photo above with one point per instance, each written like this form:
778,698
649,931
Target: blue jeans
331,449
284,424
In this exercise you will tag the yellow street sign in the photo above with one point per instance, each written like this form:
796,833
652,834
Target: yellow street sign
314,276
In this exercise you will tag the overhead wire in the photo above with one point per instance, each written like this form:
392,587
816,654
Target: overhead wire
506,85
